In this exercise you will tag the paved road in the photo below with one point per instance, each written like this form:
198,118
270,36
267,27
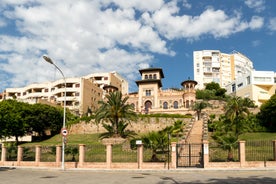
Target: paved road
44,176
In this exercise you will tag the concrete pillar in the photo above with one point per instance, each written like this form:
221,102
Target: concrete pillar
274,149
4,153
205,155
58,155
19,154
140,153
108,155
37,154
242,152
81,154
173,155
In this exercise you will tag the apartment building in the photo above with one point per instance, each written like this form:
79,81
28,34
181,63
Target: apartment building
222,68
82,93
110,79
259,86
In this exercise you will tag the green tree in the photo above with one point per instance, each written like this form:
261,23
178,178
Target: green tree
267,114
212,86
236,111
13,115
44,117
157,142
227,142
199,106
115,114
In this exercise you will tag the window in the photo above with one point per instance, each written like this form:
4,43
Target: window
233,87
154,76
187,104
165,105
150,76
77,85
248,80
175,104
148,92
146,76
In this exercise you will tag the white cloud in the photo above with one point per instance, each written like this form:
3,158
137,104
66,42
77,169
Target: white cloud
258,5
214,22
272,24
256,22
87,36
256,43
186,4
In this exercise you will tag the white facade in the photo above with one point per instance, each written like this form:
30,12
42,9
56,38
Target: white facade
214,66
259,86
112,78
82,93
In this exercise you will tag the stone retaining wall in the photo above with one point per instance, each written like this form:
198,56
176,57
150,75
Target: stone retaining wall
143,125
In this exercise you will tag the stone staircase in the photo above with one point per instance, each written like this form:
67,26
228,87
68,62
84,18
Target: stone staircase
196,133
190,150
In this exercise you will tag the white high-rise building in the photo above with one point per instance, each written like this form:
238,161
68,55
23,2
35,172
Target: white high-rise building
222,68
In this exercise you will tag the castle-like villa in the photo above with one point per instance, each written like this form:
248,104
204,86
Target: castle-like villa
150,97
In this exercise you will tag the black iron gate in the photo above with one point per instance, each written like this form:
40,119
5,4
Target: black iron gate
189,155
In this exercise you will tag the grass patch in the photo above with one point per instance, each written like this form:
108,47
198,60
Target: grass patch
73,139
258,136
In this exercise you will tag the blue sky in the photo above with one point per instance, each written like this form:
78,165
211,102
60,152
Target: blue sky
89,36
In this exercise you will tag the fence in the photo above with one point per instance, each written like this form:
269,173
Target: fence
109,156
82,156
248,154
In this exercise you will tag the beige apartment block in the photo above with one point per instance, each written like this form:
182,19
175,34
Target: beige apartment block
150,97
82,93
222,68
259,86
110,79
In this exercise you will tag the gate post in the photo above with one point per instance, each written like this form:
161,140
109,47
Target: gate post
173,155
140,155
205,156
37,154
19,154
274,149
108,155
242,153
81,154
58,155
4,153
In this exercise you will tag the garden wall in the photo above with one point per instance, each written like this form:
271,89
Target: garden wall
143,125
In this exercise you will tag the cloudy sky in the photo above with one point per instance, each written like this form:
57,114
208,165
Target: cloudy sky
89,36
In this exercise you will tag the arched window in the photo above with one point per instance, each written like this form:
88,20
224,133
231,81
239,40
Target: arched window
150,76
165,105
175,104
133,105
187,104
154,76
148,105
146,76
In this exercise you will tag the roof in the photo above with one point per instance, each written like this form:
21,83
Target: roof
188,81
151,70
149,81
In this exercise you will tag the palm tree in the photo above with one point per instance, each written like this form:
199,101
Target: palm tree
228,142
236,111
115,114
199,106
157,142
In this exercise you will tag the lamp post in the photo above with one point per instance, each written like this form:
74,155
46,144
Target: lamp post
49,60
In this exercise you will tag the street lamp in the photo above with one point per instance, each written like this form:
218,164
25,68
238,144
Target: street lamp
49,60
